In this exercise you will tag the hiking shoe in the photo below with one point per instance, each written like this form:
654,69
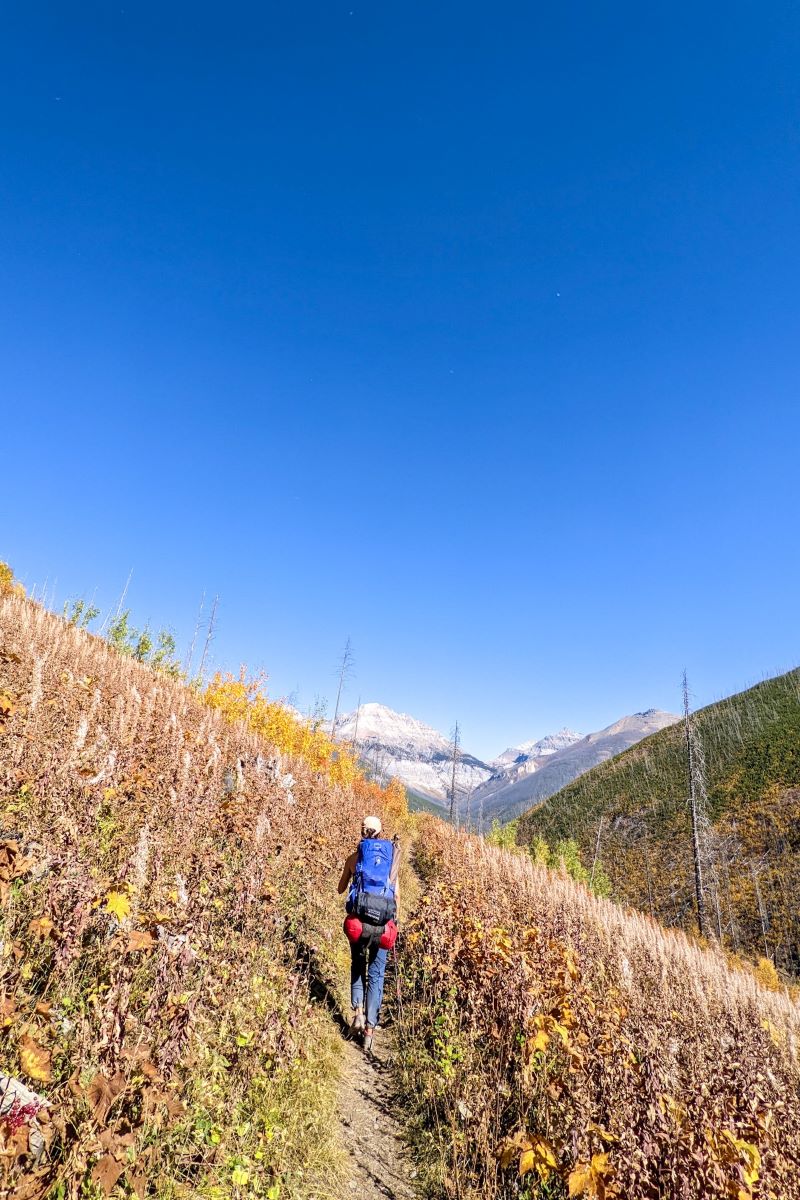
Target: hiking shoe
357,1023
369,1034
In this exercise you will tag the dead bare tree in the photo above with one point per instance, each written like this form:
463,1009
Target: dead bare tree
354,742
209,635
697,808
187,666
456,743
762,910
596,848
345,671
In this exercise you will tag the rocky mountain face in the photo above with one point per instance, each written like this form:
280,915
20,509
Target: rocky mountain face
397,745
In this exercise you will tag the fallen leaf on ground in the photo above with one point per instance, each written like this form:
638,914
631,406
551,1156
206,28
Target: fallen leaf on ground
102,1093
140,939
106,1172
34,1059
118,904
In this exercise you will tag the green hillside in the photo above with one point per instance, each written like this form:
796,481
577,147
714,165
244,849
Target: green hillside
637,802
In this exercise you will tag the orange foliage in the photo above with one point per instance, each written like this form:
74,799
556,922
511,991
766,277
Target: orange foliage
244,700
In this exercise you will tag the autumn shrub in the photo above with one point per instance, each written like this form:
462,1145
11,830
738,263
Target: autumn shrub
8,584
554,1044
167,905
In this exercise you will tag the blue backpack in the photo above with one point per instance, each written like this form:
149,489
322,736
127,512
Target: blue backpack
371,896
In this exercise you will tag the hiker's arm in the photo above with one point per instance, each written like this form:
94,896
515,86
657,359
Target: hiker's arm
347,873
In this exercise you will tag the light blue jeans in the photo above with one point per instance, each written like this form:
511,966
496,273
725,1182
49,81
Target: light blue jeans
367,968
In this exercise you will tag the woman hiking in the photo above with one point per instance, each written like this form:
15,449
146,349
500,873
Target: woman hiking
370,877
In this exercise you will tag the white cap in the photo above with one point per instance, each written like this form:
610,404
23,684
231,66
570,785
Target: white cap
372,824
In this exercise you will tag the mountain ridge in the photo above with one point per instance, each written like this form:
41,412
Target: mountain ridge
520,787
398,745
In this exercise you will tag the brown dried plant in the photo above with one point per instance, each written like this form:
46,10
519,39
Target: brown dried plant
556,1044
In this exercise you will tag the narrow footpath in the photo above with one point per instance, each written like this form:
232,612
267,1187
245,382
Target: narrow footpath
370,1130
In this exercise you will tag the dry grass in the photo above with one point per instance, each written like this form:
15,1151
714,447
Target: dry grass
555,1032
167,883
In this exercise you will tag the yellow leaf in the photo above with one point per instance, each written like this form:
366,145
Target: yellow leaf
539,1155
580,1179
588,1178
548,1154
6,708
541,1041
562,1032
527,1162
118,904
34,1059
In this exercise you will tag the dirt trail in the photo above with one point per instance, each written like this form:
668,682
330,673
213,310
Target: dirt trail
381,1167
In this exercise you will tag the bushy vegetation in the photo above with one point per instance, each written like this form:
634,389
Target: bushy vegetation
751,747
555,1045
157,650
167,873
565,856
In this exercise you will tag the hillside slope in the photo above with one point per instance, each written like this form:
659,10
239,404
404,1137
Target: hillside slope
751,746
167,896
168,917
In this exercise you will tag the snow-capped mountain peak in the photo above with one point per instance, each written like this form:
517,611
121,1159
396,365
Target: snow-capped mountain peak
375,722
551,743
394,744
522,783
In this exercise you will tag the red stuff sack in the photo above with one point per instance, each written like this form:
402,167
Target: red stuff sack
389,936
353,929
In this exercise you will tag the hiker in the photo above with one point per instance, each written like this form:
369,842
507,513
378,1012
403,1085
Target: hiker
370,873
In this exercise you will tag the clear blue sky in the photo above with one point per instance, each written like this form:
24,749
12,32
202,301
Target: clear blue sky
469,330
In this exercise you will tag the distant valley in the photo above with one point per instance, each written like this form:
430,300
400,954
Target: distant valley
397,745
